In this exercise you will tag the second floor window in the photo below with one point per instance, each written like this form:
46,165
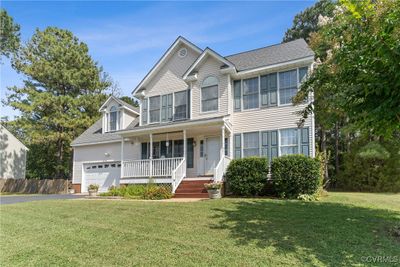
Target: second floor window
250,93
154,109
269,90
181,105
113,120
209,94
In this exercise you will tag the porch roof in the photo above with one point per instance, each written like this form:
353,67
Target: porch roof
173,126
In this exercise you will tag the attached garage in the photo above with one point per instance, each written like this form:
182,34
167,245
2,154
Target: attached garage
105,174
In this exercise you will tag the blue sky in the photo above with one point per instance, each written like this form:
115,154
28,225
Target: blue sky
128,37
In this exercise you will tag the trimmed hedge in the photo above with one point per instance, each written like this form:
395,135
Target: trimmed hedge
247,176
295,175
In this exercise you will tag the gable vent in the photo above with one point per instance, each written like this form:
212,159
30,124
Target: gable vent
182,52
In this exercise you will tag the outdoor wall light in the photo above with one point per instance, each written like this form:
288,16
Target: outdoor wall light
107,154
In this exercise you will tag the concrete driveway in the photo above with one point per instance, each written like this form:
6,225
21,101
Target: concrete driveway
21,198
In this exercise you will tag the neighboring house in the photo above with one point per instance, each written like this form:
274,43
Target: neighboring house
198,110
12,156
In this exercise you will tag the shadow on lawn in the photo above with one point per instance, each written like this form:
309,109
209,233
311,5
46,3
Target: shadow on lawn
334,234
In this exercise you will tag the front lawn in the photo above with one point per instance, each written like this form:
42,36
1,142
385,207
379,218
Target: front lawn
337,231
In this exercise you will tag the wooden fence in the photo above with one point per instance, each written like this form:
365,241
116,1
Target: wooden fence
34,186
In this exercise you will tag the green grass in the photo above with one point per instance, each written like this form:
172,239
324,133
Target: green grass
337,231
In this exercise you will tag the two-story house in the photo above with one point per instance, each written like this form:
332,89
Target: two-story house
198,110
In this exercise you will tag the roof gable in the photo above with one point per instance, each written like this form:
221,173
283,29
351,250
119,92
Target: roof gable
180,40
201,59
120,102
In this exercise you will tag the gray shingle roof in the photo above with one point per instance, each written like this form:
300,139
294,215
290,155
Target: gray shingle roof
94,134
270,55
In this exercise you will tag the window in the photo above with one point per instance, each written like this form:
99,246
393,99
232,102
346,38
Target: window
289,142
237,95
201,148
178,148
181,105
113,119
251,144
238,146
166,108
209,94
144,111
269,88
190,153
226,147
166,150
302,73
145,154
250,93
287,86
154,109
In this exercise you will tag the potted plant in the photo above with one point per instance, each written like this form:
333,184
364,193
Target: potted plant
214,190
93,189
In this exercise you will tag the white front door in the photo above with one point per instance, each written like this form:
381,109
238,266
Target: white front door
213,147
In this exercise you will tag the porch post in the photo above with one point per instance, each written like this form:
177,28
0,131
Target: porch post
122,157
223,141
151,155
184,144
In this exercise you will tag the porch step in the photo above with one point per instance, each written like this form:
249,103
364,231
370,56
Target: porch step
192,189
191,195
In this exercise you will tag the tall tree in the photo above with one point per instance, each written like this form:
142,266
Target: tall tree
60,97
9,34
306,22
361,69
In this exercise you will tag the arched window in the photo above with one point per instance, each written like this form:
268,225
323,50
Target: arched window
209,94
113,121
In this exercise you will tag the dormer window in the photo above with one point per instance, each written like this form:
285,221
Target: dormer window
113,119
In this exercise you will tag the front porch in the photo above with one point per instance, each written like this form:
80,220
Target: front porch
172,152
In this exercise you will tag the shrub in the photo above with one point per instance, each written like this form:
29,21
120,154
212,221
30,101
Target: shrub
247,176
156,192
295,175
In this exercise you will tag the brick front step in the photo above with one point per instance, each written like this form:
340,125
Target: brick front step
192,189
191,195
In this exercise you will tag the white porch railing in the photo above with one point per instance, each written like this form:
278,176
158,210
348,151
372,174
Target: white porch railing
178,174
150,167
220,169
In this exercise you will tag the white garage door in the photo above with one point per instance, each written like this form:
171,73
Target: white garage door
103,174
